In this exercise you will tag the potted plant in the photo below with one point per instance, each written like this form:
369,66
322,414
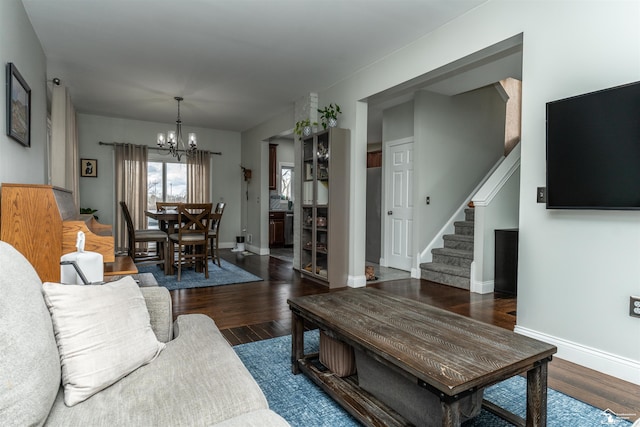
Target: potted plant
303,127
329,115
89,211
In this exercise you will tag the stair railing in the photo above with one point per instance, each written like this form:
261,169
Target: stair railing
488,219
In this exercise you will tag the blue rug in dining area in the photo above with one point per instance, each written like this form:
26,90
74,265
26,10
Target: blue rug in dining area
302,403
226,274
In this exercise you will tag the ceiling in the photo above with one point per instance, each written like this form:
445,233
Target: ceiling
237,63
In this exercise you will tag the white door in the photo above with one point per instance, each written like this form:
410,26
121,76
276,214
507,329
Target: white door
398,212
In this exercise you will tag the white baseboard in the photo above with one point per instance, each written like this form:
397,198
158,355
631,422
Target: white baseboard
416,273
257,250
607,363
486,287
357,281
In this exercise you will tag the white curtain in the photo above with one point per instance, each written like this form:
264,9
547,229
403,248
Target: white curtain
65,169
199,177
131,187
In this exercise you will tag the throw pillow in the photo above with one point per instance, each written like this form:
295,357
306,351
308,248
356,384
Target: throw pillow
103,333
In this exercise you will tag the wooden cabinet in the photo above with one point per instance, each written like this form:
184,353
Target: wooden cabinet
273,166
506,261
276,229
325,206
42,223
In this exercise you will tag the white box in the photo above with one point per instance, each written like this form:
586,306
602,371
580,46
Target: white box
323,192
307,193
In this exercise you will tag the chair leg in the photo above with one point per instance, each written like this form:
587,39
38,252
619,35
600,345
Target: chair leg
165,256
170,257
217,255
179,261
204,259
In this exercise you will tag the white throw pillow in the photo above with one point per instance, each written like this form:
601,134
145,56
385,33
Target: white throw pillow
103,333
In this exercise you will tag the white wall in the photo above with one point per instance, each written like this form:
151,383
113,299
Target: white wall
458,140
397,122
21,46
576,269
98,193
255,156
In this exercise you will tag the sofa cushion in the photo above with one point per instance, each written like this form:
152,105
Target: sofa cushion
29,365
103,333
197,380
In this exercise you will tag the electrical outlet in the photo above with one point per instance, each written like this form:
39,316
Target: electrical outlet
541,195
634,306
249,238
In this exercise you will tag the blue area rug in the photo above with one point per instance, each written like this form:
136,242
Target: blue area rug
227,274
298,400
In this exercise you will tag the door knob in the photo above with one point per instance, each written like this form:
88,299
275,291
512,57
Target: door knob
389,212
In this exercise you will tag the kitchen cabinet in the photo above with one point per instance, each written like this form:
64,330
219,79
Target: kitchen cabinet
276,229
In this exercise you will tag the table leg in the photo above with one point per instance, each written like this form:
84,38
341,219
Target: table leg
297,341
537,395
451,413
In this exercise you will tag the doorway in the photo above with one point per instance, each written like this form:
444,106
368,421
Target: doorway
282,197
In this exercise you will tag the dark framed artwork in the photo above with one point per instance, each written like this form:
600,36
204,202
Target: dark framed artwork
18,107
89,167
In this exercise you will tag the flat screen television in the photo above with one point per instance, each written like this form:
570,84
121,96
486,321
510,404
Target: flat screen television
593,150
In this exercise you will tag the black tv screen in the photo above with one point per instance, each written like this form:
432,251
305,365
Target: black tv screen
593,150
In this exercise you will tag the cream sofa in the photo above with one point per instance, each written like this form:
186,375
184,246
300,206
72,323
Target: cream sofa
196,380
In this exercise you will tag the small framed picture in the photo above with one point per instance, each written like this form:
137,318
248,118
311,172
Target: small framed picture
89,167
18,107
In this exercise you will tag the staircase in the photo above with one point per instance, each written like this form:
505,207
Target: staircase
451,265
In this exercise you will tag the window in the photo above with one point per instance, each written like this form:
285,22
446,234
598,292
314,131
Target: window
286,181
166,182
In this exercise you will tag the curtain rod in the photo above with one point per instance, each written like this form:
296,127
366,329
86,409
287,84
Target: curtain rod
217,153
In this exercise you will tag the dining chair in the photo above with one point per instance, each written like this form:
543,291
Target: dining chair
214,232
192,237
144,236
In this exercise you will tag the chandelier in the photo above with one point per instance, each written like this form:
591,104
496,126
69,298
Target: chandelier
173,139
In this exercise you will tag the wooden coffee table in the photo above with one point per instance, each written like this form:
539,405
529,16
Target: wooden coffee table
448,354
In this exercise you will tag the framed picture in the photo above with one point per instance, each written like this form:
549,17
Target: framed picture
89,167
18,107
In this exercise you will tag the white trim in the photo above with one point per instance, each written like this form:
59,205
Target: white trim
496,181
485,287
480,287
357,281
602,361
416,273
256,250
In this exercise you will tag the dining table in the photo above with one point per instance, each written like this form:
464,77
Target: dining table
168,221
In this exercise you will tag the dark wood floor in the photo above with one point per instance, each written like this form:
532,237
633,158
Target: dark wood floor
256,311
